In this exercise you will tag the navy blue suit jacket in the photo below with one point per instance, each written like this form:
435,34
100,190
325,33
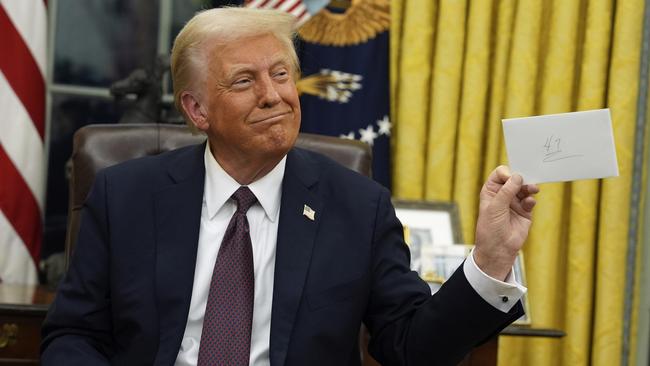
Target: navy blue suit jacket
126,296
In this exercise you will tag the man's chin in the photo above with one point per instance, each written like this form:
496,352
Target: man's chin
280,142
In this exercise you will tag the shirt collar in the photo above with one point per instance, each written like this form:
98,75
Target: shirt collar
219,186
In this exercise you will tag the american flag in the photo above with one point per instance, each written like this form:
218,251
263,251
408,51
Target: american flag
23,25
296,8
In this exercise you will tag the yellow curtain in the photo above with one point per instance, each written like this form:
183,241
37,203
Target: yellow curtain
459,67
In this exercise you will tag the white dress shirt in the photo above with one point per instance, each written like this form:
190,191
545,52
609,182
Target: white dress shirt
262,217
502,295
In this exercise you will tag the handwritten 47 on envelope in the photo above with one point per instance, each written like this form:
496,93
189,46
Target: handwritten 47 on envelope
561,147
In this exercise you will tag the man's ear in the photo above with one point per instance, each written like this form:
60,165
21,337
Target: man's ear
194,110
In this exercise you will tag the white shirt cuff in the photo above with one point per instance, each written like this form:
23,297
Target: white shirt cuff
502,295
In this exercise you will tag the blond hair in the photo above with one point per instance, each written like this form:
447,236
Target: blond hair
223,25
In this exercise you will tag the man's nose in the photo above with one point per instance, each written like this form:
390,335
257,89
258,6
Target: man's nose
267,93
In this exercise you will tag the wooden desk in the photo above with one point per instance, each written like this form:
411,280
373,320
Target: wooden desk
486,354
22,310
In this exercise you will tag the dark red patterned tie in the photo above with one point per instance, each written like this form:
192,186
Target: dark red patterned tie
226,335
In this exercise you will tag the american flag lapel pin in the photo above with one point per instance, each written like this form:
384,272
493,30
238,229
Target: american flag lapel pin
309,212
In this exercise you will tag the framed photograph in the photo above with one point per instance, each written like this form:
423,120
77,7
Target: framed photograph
439,263
428,225
439,219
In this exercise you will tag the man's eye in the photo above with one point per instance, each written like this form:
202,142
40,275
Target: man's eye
242,82
281,73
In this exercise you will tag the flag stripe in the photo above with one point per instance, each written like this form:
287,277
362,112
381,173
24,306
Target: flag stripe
303,16
296,8
23,213
22,72
22,129
29,17
285,5
296,5
16,263
21,141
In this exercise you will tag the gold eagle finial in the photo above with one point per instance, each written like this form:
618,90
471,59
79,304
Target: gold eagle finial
364,19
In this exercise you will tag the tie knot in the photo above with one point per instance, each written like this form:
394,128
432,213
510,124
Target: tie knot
244,198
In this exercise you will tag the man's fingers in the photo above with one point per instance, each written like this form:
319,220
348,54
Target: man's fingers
509,190
496,180
528,203
502,174
499,175
523,208
527,190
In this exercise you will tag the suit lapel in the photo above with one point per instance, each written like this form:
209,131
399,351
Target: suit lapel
296,234
177,215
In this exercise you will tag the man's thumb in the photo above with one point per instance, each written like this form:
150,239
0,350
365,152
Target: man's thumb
509,190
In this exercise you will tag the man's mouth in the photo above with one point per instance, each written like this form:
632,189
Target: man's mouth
275,117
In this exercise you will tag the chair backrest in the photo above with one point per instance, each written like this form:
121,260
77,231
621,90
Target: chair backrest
99,146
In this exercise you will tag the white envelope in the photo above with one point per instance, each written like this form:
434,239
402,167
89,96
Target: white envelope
561,147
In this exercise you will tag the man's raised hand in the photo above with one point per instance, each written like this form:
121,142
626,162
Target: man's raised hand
504,218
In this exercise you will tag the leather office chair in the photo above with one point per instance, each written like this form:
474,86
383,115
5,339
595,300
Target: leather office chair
100,146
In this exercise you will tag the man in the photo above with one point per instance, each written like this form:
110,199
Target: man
247,250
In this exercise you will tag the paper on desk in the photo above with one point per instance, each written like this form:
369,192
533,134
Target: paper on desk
561,147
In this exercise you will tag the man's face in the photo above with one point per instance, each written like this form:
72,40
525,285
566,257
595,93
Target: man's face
250,100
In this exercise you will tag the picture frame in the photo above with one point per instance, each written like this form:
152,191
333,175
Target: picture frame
438,219
427,224
441,262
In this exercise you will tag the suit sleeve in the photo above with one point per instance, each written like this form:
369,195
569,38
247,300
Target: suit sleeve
77,329
408,326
